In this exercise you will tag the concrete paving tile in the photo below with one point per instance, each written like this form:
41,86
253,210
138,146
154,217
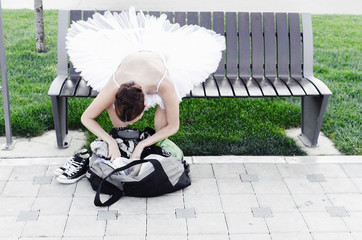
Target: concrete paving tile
27,216
245,223
202,186
353,170
2,186
263,170
185,213
164,204
10,228
323,222
5,172
291,236
204,202
337,211
207,223
82,238
303,186
130,205
130,224
316,177
351,201
312,202
84,188
25,173
201,171
270,186
208,237
42,180
262,212
20,189
286,222
165,224
293,170
234,185
123,238
228,170
52,205
339,185
357,235
238,202
56,189
277,202
107,215
166,237
84,206
45,226
358,183
39,238
84,226
354,221
332,236
246,177
255,236
11,206
328,170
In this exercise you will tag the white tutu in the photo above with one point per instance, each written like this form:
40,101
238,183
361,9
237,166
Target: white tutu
97,47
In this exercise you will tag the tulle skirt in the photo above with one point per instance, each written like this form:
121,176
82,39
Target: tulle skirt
97,47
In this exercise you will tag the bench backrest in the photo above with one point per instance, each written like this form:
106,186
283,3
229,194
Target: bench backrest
258,44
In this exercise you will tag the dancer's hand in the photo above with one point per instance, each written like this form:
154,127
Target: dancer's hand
137,152
113,150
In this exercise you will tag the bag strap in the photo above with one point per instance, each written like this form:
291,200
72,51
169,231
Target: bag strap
117,195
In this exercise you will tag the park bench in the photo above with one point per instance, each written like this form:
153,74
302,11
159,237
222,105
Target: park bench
267,55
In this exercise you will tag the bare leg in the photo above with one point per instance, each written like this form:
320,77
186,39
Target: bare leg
160,118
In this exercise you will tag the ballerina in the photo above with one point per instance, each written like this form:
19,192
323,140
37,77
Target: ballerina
138,61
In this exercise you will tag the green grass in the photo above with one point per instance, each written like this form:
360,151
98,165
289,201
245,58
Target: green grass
208,126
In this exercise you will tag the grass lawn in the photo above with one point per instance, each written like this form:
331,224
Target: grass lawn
208,126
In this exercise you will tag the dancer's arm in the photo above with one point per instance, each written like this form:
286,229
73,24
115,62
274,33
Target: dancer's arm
104,100
170,100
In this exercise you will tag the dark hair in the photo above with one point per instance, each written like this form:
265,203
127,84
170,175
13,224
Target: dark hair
129,102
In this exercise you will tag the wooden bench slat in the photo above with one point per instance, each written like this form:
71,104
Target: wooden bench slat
293,86
192,18
82,89
154,13
244,45
257,48
205,20
169,16
231,46
269,45
87,14
295,45
69,86
238,87
252,87
224,86
180,18
283,45
307,86
280,87
211,89
218,26
266,87
198,91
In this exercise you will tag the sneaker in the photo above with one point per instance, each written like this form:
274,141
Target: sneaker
75,171
77,157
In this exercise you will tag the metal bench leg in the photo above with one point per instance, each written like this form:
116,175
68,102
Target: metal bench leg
60,116
313,109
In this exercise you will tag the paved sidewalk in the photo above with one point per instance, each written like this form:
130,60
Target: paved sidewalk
231,198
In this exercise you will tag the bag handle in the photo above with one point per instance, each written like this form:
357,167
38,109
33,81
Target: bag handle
115,197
